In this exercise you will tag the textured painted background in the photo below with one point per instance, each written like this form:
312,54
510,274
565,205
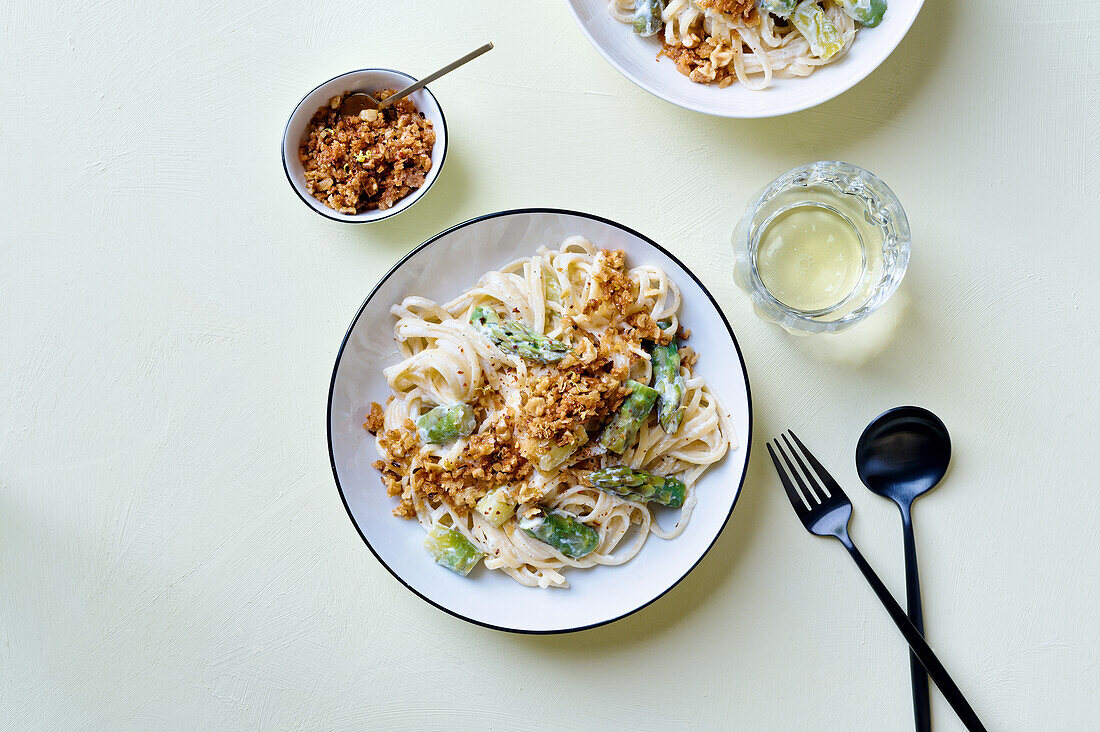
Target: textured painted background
173,552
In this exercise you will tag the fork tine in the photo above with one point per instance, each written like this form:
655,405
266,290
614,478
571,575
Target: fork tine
820,491
834,488
808,492
799,503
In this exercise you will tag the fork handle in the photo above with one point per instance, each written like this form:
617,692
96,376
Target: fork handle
916,641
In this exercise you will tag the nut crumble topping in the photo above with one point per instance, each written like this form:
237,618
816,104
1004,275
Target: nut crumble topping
355,163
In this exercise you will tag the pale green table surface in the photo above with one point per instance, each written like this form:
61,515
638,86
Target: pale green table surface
173,551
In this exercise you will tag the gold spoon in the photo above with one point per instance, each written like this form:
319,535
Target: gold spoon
356,102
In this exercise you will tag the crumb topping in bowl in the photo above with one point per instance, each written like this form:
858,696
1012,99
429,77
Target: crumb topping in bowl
356,163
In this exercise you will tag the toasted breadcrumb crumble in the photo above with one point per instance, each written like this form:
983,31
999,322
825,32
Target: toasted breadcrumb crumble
376,420
490,459
355,163
613,289
744,8
582,391
557,402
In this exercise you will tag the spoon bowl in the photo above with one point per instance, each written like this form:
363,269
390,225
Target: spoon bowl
903,454
356,102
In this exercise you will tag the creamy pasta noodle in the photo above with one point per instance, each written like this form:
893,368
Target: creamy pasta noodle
749,41
546,417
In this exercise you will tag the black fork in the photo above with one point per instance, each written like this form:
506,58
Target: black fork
825,511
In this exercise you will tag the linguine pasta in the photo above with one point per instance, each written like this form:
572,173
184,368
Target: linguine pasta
712,46
609,316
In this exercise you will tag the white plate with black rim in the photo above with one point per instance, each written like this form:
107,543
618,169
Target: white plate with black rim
636,59
440,269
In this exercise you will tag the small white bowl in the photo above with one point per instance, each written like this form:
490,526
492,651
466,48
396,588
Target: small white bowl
368,80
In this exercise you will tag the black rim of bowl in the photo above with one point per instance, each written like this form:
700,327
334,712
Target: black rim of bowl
425,245
418,193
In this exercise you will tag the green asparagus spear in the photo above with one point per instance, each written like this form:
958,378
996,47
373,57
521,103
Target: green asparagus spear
639,485
647,17
497,506
867,12
551,290
629,419
782,8
824,39
451,549
446,424
669,384
515,337
555,455
562,531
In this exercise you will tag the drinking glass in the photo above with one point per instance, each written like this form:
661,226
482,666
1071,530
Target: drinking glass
841,284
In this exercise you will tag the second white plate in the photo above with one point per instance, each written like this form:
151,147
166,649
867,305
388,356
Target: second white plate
635,58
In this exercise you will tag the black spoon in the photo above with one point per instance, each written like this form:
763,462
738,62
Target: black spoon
903,454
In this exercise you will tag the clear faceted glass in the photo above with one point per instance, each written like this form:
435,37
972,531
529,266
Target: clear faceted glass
872,220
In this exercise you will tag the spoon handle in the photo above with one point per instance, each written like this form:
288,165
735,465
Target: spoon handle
916,641
922,712
434,75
